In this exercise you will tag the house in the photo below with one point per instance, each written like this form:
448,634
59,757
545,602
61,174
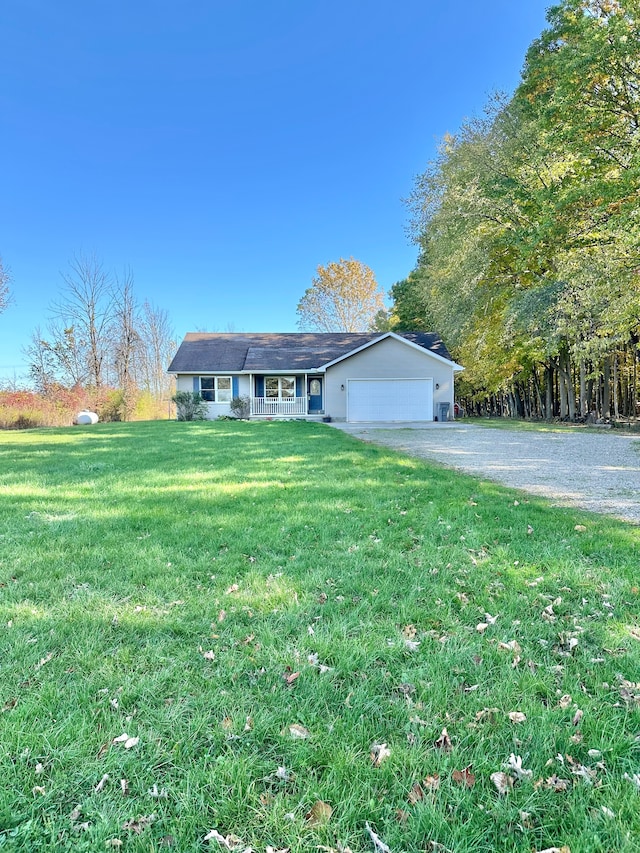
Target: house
342,376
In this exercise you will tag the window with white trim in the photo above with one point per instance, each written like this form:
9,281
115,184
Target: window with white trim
215,389
279,387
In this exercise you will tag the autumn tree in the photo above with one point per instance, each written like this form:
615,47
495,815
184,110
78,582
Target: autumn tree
344,297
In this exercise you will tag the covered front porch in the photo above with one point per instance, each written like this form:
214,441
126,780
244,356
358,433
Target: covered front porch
286,396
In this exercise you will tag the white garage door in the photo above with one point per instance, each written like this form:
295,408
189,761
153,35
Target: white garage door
390,400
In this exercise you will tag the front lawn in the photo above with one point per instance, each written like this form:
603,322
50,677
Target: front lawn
270,636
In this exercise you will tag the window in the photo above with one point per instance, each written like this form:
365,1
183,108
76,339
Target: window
216,389
282,387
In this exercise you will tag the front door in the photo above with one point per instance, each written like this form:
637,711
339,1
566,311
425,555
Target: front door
315,395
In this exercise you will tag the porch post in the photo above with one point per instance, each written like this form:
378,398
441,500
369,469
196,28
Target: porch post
306,394
252,391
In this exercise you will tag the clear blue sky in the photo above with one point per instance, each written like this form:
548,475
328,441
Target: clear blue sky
222,150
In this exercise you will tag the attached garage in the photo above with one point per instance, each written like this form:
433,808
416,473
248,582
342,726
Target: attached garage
389,400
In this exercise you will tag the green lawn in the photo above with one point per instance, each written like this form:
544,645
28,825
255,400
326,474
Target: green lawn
204,587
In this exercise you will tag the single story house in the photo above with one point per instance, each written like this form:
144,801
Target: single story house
342,376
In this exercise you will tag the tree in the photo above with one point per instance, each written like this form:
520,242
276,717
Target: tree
343,297
86,308
5,280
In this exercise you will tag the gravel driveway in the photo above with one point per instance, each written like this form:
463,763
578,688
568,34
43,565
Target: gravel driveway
596,471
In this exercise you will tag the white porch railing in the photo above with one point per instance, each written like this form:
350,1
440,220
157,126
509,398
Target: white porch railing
278,406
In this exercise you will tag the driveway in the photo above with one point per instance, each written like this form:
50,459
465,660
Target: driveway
592,470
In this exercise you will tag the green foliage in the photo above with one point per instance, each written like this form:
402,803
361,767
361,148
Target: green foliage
528,219
203,587
190,406
240,407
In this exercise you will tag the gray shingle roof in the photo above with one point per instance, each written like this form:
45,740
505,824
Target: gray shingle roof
203,352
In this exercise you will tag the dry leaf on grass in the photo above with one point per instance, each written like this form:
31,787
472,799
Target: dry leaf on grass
444,741
290,677
208,655
138,824
378,752
38,790
502,782
464,777
563,849
114,843
517,717
514,764
634,779
511,646
101,783
44,660
378,843
229,842
319,814
124,787
298,732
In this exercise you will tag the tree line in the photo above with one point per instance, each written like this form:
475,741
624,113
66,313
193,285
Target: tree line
99,336
528,225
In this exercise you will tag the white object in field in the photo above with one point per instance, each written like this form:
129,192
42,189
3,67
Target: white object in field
85,417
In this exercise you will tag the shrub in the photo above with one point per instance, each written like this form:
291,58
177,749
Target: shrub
190,406
240,407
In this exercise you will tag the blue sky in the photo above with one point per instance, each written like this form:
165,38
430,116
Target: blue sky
222,150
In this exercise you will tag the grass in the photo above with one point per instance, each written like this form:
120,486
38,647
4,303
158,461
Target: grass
203,587
519,425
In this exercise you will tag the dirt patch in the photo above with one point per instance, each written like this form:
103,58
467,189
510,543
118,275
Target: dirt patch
595,471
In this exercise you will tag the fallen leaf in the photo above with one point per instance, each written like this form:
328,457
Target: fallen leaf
114,843
319,814
138,824
502,781
378,753
409,632
299,732
565,701
577,717
101,783
464,777
44,660
511,646
481,627
229,842
517,717
208,655
39,790
415,794
444,741
124,787
233,588
378,843
514,764
557,784
580,528
131,742
121,738
563,849
10,705
289,677
157,794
